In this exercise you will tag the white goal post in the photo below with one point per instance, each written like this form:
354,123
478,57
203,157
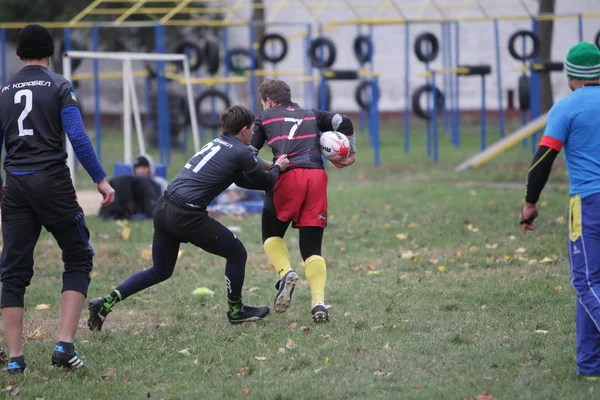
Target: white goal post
130,100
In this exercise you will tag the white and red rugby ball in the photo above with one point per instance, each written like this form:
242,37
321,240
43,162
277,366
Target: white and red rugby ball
334,145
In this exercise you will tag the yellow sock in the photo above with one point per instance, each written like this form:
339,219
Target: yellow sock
278,255
315,270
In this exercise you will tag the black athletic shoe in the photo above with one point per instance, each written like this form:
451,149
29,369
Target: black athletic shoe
285,288
241,313
15,368
66,360
320,314
98,313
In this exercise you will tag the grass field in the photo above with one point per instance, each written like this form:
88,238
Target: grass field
435,294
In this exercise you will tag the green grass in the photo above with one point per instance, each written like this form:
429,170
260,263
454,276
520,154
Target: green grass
474,307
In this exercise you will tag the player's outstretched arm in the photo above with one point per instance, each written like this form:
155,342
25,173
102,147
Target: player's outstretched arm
254,177
82,146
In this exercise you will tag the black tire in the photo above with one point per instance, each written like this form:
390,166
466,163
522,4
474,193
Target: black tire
196,51
275,58
512,41
363,49
524,94
327,105
331,50
212,56
239,60
205,120
430,38
597,40
416,101
360,95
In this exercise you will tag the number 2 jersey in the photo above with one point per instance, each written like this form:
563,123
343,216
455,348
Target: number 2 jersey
30,116
292,130
221,162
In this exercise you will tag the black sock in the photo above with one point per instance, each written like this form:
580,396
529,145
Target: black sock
67,347
19,360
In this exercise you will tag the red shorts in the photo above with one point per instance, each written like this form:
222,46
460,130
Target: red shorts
300,196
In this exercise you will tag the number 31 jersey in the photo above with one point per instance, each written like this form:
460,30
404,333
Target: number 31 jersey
30,115
213,169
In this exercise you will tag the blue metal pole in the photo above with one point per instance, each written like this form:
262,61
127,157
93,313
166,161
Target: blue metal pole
434,128
524,112
97,120
483,114
253,88
451,88
226,57
406,88
457,85
428,123
580,24
374,121
162,101
445,66
361,112
499,79
3,55
535,86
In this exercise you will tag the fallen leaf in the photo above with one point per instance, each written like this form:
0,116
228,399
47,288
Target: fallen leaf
413,225
290,344
472,193
401,236
281,350
253,289
325,360
36,335
434,260
373,272
272,268
558,288
126,233
241,372
291,327
380,372
560,220
459,253
387,346
491,202
42,307
110,374
387,206
532,261
511,237
484,307
146,254
491,246
485,396
441,268
506,257
261,358
245,391
546,260
316,371
541,331
362,350
306,329
521,250
472,228
14,391
407,255
185,352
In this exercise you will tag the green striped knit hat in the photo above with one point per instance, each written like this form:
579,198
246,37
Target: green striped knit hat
583,61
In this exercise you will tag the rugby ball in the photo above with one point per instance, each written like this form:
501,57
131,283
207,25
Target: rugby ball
334,145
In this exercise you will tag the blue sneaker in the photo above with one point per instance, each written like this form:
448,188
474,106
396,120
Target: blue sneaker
14,368
285,288
66,360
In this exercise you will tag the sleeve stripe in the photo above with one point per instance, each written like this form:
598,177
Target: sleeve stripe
552,143
541,158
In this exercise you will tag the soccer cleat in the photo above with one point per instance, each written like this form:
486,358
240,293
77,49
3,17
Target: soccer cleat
14,368
285,288
98,313
239,313
320,314
66,360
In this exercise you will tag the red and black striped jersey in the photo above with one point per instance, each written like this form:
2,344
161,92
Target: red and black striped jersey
292,130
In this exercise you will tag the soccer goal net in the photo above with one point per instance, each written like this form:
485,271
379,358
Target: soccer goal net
131,106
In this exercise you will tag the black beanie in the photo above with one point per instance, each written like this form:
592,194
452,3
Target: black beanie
35,42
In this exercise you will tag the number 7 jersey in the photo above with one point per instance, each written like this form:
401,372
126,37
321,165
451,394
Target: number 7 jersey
30,117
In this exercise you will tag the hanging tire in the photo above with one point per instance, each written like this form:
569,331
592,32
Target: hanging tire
363,49
331,52
273,58
327,105
363,95
205,119
512,41
196,55
239,60
524,93
430,38
212,56
416,101
597,40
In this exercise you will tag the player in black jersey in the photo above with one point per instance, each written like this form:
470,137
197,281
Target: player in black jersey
181,217
300,195
37,107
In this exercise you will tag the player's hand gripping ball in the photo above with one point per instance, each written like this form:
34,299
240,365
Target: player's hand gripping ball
334,145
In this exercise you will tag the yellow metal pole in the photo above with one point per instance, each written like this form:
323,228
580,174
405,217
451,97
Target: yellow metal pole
127,13
85,11
276,9
233,10
174,11
397,8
